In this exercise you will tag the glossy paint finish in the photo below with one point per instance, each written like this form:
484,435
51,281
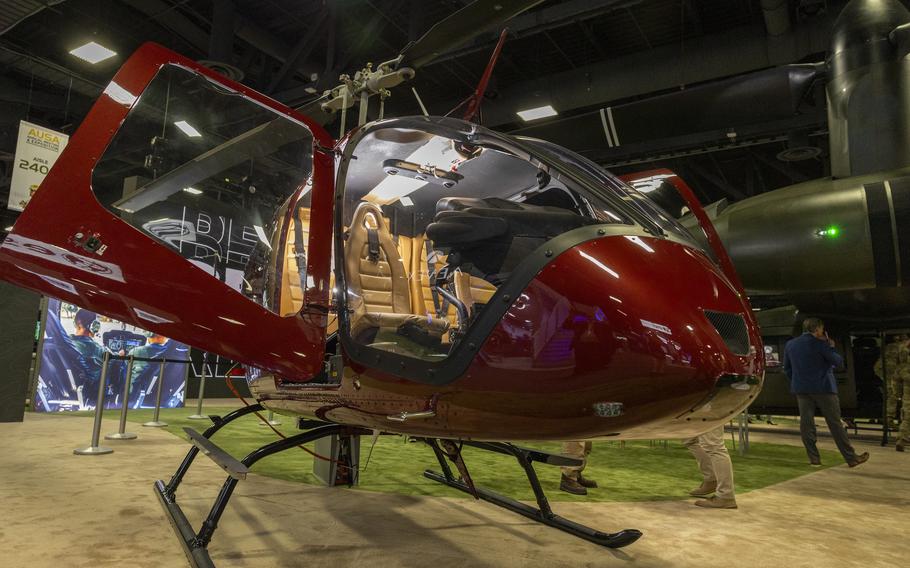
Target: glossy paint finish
612,320
616,319
140,281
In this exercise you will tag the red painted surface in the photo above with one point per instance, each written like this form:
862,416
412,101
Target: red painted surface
477,97
136,272
717,246
617,319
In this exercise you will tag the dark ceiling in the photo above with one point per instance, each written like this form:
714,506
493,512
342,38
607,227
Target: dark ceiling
578,54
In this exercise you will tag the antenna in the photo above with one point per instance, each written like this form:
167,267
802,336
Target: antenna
423,109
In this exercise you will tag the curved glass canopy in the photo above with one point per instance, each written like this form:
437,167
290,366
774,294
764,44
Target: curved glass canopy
437,214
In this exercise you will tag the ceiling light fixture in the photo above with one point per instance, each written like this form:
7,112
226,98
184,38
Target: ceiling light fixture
93,52
537,113
192,190
8,229
187,129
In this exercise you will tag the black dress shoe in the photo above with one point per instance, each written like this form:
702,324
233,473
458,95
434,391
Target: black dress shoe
815,463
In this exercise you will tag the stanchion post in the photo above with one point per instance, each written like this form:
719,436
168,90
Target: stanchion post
121,433
199,415
271,420
95,449
156,423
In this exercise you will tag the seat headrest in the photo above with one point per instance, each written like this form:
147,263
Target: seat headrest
458,203
368,215
462,203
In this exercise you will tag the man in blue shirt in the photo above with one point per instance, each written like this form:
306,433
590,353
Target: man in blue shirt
809,361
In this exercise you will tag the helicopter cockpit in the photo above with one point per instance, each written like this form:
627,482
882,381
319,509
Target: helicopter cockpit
436,221
437,215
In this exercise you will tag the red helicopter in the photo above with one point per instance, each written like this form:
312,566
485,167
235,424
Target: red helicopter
487,288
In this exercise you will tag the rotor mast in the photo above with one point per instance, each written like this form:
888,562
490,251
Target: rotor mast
366,83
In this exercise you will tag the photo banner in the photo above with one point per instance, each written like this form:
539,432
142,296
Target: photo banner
72,356
37,149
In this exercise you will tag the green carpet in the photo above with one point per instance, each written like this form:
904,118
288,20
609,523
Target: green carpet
633,471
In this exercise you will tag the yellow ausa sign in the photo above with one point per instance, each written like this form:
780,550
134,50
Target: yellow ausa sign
36,151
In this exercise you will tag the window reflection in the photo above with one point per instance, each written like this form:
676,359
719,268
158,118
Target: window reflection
433,225
218,178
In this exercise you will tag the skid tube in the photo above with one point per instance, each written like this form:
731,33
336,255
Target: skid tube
195,543
543,514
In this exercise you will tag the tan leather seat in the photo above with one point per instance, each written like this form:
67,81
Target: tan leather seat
472,290
378,290
291,287
422,288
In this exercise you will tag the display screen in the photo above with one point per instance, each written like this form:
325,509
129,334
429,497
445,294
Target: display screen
772,355
72,360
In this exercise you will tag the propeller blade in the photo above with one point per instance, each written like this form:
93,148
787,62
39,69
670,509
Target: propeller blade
461,27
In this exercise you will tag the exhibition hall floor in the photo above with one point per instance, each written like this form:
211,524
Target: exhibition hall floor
66,510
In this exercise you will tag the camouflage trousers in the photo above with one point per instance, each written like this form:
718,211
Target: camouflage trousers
896,384
904,437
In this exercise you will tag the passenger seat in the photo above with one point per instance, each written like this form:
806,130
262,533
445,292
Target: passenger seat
378,288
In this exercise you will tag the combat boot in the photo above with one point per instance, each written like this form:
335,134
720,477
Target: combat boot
585,482
705,489
715,503
860,459
572,486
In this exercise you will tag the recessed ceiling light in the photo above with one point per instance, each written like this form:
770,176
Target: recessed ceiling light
93,52
536,113
192,190
187,129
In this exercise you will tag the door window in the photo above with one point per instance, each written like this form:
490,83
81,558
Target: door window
218,178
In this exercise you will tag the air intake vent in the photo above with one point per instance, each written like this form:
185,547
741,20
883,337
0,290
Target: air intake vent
732,329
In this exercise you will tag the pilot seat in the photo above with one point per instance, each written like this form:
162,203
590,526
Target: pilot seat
489,237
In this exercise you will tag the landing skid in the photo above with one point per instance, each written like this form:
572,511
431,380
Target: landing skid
195,543
543,513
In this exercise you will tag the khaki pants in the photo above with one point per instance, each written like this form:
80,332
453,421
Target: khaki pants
713,460
578,450
904,437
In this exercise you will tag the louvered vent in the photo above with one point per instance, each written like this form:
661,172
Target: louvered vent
732,329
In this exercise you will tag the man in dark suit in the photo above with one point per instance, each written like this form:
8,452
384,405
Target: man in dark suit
809,361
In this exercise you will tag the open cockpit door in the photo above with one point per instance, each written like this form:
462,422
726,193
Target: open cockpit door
186,204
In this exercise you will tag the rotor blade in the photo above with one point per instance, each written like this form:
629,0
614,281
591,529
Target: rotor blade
763,96
462,26
771,96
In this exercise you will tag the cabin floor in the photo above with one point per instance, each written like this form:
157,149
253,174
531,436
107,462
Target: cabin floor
88,511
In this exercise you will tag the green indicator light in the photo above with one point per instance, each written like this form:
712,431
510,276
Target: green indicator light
832,232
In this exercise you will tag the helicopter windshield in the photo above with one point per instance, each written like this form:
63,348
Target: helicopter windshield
438,214
598,177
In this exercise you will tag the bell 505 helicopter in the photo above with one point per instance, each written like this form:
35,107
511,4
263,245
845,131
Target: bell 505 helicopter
421,276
